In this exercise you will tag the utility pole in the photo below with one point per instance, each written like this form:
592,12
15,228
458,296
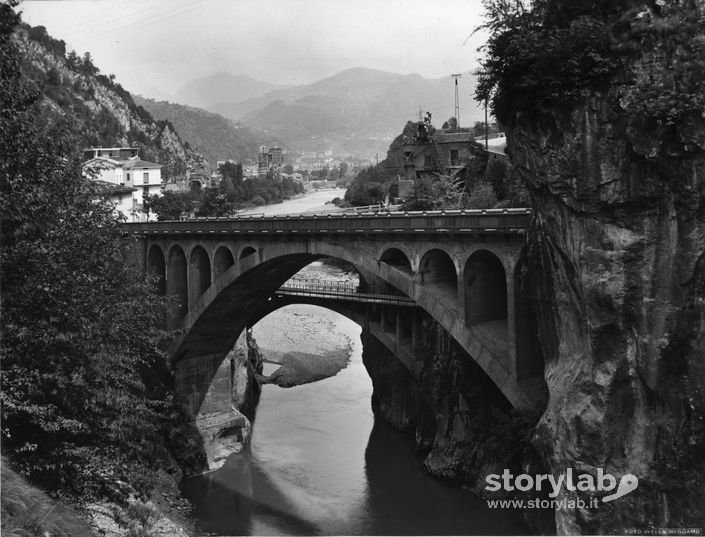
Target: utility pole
457,101
487,144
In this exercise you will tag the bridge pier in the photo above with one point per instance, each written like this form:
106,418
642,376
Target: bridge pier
511,321
414,330
217,394
383,321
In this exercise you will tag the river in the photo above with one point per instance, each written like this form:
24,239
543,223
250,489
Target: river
315,201
319,463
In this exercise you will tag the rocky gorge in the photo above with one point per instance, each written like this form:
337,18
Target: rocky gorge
616,255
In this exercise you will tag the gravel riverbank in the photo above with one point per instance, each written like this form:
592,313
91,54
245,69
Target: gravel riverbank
305,342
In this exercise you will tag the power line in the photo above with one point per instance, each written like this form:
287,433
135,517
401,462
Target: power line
149,22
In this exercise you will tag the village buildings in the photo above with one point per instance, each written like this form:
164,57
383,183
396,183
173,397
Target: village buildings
125,178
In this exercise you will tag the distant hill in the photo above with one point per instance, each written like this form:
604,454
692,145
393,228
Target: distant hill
96,109
213,135
358,110
222,87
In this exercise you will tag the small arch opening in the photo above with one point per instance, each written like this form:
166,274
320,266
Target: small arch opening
157,266
437,268
222,260
247,252
485,289
200,272
397,259
177,285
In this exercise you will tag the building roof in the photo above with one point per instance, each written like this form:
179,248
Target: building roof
116,148
106,162
454,137
138,163
103,162
500,150
111,189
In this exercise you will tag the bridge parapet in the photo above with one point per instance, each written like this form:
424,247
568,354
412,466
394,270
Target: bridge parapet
488,221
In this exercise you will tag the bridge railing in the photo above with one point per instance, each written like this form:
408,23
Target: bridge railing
340,291
323,286
487,221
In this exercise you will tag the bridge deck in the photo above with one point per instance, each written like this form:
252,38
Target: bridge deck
456,221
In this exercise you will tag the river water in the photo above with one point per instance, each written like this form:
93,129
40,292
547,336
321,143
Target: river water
320,464
315,201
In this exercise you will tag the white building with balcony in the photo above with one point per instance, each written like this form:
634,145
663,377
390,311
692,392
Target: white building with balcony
140,176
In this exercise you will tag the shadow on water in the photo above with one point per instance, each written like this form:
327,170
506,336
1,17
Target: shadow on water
240,499
404,500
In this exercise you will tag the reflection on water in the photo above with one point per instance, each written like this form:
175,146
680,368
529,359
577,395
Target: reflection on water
319,464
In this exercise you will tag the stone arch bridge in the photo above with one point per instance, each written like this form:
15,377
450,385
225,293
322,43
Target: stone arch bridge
458,266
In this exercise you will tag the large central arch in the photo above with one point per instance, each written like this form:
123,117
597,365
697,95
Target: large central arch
246,278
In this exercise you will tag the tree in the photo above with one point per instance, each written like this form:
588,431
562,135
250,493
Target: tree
215,203
87,66
84,398
231,172
452,124
482,197
169,206
497,175
438,193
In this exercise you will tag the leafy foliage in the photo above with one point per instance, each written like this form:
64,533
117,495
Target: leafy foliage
368,188
169,206
232,194
546,56
84,397
29,511
438,193
543,57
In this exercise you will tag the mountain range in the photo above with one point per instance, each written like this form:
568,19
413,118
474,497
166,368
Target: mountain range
221,87
356,111
216,137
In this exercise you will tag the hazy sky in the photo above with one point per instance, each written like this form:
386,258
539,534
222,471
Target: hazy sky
155,46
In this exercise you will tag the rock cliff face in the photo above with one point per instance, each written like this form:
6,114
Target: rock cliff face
616,255
95,108
223,421
463,425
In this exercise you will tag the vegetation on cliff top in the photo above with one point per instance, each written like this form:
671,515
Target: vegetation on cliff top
95,108
86,407
649,54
